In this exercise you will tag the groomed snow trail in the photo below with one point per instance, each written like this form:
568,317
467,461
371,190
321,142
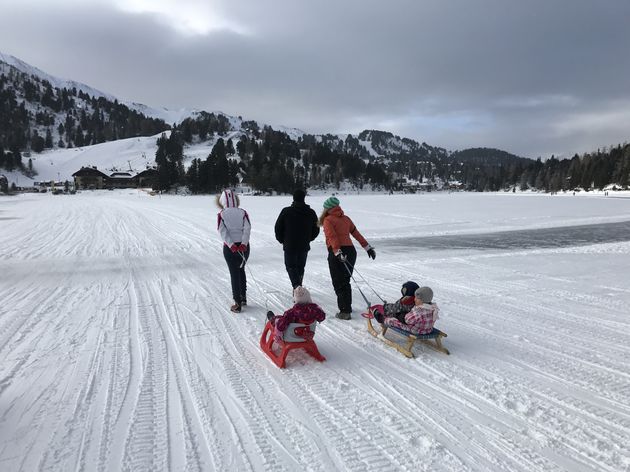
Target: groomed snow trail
118,352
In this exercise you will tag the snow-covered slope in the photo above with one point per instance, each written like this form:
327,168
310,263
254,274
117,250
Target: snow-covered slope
124,154
60,164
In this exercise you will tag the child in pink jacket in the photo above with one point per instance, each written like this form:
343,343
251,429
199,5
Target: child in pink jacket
304,311
422,316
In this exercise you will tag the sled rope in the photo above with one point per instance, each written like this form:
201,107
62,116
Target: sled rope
354,268
345,264
264,294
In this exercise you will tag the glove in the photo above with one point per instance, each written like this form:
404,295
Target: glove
242,248
341,256
371,252
233,248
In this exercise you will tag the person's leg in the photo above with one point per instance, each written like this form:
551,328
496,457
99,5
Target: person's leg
300,264
242,278
345,287
341,281
334,267
290,264
233,266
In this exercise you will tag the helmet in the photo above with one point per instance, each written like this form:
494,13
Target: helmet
409,288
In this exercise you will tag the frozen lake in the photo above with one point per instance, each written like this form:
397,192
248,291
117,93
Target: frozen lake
118,351
565,236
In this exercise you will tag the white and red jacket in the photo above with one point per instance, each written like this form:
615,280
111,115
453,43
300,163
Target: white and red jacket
232,222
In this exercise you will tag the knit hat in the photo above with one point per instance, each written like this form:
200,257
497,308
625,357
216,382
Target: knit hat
331,202
302,295
298,195
409,288
425,294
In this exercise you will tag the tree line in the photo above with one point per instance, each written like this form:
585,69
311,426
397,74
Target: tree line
267,160
270,160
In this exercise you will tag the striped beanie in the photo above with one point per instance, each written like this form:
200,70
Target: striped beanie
331,202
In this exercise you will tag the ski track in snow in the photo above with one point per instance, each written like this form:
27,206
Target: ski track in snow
118,352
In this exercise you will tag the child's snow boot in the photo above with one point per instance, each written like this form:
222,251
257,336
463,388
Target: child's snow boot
343,316
236,308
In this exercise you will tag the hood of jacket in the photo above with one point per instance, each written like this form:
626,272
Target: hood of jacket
336,211
228,199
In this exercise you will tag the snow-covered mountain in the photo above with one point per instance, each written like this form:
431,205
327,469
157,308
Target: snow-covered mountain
169,116
44,113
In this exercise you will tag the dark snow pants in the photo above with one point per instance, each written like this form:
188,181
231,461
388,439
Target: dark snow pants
294,262
237,273
341,278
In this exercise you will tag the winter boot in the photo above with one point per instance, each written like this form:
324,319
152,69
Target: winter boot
270,315
236,308
343,316
378,316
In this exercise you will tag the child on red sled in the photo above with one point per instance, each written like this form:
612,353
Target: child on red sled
304,311
419,320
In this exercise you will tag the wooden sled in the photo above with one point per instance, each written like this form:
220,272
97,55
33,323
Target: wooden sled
432,339
296,336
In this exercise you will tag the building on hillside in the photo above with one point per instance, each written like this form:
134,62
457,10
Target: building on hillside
147,178
90,178
121,180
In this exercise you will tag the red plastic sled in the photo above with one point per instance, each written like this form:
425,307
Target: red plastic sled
296,336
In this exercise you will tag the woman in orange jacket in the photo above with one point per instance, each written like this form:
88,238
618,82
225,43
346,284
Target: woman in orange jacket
341,253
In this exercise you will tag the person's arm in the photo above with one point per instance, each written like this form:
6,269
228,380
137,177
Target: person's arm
362,241
421,319
247,228
358,236
279,228
320,316
314,227
331,236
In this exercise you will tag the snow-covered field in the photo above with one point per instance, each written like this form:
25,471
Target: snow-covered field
118,352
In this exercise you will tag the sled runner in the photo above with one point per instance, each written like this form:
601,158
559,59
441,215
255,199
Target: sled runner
296,336
436,336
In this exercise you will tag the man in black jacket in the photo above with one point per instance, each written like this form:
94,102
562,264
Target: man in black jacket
295,228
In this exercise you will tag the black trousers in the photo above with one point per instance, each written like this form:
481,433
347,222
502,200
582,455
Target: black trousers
341,277
294,262
237,273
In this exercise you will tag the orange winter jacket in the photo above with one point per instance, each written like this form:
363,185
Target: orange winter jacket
338,228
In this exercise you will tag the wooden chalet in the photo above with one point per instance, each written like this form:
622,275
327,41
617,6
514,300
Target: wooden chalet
90,178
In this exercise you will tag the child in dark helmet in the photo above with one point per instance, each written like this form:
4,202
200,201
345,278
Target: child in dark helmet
399,308
422,316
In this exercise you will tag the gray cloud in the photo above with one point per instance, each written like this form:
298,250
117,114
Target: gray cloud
534,78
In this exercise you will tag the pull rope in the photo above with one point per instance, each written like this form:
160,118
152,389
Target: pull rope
346,263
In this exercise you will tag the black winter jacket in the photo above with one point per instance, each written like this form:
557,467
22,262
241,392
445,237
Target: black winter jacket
296,227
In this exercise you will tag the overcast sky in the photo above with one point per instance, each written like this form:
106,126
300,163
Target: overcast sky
535,77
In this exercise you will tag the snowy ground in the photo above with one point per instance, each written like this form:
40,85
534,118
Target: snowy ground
117,351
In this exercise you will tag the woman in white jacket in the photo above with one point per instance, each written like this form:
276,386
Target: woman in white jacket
234,227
